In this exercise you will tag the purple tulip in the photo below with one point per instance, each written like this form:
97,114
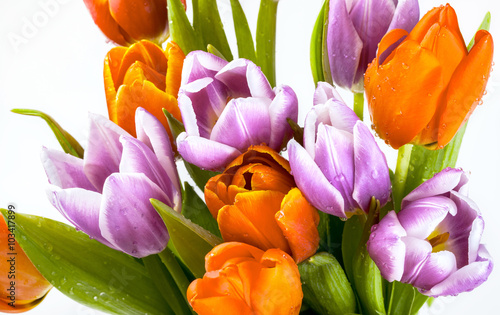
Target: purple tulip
433,243
227,107
354,30
340,167
106,195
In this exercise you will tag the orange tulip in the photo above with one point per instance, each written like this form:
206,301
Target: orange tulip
128,21
427,88
255,201
142,75
242,279
22,287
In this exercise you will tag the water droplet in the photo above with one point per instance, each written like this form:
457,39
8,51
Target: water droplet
387,142
393,89
95,298
374,174
405,66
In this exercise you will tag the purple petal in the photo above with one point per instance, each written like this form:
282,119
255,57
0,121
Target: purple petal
138,158
151,132
104,150
386,247
80,207
417,252
370,167
421,217
206,98
313,183
325,91
465,279
128,220
244,122
285,105
199,64
205,153
441,183
405,16
343,44
435,269
335,158
319,114
64,170
341,116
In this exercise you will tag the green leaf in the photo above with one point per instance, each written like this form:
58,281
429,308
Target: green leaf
266,39
485,25
191,241
194,209
325,285
351,237
181,30
330,230
176,127
199,176
406,299
67,142
86,270
327,76
243,35
214,51
316,48
212,28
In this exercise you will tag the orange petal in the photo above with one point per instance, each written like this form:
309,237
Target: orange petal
299,222
145,19
112,63
99,9
259,154
403,93
279,290
216,259
267,178
175,58
466,88
251,220
387,41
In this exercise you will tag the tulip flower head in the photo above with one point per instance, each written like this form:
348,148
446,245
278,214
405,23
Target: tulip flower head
255,201
142,75
106,195
127,21
227,107
354,30
433,243
242,279
426,89
28,287
340,167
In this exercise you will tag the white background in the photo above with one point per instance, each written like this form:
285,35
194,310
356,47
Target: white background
56,66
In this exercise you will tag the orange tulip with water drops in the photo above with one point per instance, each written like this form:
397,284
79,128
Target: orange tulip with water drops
128,21
242,279
426,88
142,75
255,201
24,287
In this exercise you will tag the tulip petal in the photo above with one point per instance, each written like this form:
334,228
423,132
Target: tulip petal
343,44
405,16
104,150
64,170
439,184
325,91
417,252
467,86
313,183
421,217
175,60
200,64
334,152
319,114
99,9
284,106
128,220
80,207
341,116
386,247
370,166
205,153
112,63
244,121
251,220
435,269
229,251
465,279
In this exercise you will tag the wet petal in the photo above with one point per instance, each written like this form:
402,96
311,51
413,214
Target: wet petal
199,64
341,116
405,16
284,105
417,252
102,17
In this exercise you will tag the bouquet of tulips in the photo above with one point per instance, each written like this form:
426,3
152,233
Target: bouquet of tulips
277,215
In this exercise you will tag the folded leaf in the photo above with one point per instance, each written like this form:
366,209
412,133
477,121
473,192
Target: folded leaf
195,209
243,35
181,30
316,48
212,29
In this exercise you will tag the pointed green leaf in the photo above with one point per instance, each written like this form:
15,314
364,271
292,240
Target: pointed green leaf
325,285
191,241
406,299
485,25
351,236
316,48
212,28
181,30
194,209
67,142
243,34
176,127
266,39
327,76
86,270
214,51
199,176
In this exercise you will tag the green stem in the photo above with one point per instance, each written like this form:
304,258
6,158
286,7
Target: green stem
266,39
398,186
391,296
359,102
168,259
